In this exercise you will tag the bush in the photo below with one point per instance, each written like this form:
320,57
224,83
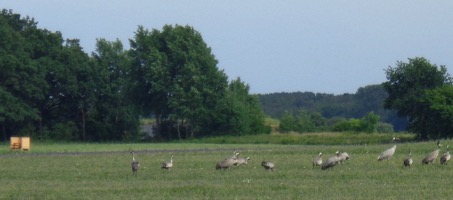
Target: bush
384,128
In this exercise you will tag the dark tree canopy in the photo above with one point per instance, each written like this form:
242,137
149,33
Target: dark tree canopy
406,87
177,78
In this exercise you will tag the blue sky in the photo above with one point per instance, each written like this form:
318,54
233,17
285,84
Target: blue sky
274,46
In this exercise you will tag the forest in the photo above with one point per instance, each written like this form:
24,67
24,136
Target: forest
345,106
50,89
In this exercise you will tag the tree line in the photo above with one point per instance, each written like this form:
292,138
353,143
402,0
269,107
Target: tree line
417,97
51,89
334,109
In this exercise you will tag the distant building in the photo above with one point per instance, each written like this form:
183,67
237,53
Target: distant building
149,130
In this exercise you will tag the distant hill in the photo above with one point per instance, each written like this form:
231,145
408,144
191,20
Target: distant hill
366,99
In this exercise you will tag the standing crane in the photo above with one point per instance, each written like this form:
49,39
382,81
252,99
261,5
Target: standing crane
387,154
408,161
317,161
134,164
433,155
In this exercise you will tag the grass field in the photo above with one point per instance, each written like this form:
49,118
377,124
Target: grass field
102,171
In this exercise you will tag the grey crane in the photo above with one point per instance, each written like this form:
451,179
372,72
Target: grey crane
168,165
408,161
268,165
330,162
241,161
342,157
134,164
445,157
387,154
433,155
317,161
228,162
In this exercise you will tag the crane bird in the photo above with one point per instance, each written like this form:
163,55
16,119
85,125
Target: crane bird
342,157
268,165
168,165
433,155
317,161
228,162
241,161
387,154
408,161
330,162
134,164
445,157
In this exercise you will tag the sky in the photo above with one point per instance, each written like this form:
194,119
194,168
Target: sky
321,46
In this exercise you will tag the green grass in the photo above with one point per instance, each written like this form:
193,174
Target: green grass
38,174
328,138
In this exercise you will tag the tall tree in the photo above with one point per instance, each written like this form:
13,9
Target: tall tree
22,81
176,78
244,113
407,84
116,116
439,103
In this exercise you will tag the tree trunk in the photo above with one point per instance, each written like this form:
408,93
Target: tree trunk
83,124
178,130
4,132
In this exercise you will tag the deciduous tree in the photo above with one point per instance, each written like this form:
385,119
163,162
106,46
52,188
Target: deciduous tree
406,86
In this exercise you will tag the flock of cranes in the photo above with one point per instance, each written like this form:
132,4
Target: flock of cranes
338,158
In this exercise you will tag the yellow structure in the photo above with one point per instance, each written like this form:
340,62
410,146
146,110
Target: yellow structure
25,143
14,143
22,143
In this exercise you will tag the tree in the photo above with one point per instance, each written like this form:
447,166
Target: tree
407,84
177,79
22,82
116,115
244,114
439,103
287,122
368,124
302,122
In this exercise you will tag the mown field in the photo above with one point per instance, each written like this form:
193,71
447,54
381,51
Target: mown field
102,171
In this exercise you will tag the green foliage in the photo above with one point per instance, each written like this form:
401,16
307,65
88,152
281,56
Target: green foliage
287,122
51,89
303,122
116,115
321,138
244,114
22,77
48,83
349,125
439,104
367,99
367,124
177,80
407,85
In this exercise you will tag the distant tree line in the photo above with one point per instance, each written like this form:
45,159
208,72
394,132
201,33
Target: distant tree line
334,109
51,89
